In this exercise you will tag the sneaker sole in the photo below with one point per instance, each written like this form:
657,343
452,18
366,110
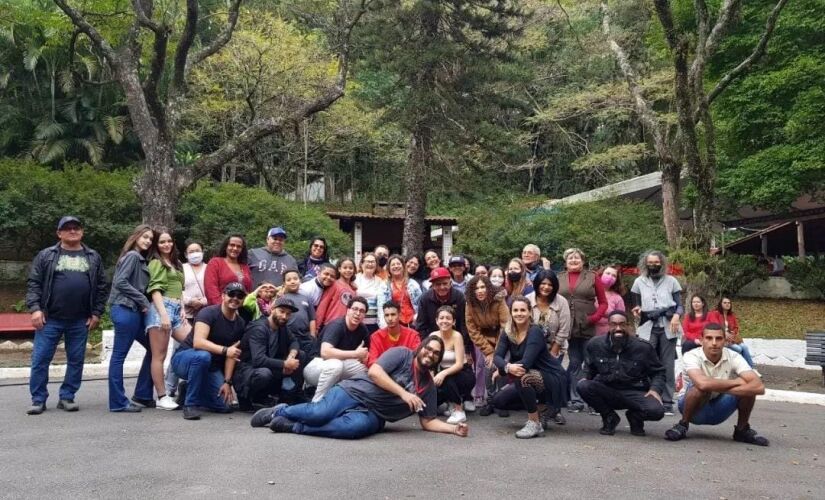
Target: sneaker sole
61,407
167,408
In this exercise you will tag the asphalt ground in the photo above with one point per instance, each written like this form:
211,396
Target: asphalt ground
97,454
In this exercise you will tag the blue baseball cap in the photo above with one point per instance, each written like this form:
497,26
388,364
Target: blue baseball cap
67,219
276,231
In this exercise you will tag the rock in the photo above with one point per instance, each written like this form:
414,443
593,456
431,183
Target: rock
8,346
25,346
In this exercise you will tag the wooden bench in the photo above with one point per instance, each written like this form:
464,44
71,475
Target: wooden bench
11,323
815,351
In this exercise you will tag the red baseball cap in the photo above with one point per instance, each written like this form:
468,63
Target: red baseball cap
439,273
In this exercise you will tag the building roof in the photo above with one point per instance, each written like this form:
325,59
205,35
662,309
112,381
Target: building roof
782,238
432,219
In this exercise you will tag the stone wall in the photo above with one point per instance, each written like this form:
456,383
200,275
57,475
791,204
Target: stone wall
775,287
14,271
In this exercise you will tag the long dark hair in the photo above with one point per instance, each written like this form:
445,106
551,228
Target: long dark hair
154,250
618,286
341,262
421,274
719,306
546,274
325,257
692,313
243,257
132,239
470,294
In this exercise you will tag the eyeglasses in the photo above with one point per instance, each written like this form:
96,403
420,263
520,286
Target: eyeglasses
315,245
71,228
236,295
358,310
436,352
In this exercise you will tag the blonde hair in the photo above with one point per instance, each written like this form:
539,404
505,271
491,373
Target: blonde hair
510,327
570,251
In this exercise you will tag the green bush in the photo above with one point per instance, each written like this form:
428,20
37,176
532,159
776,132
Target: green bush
210,212
610,231
807,274
714,275
34,197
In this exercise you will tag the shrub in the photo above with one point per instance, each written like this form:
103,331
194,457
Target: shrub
210,212
609,231
34,197
714,275
807,274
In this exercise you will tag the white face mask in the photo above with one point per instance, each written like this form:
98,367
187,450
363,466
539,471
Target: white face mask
497,280
195,258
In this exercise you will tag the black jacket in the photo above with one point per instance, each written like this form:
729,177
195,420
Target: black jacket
429,304
636,366
262,347
39,283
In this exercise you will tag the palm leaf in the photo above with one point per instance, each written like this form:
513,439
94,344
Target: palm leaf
49,130
115,126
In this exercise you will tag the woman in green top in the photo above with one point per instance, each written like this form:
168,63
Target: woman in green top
165,314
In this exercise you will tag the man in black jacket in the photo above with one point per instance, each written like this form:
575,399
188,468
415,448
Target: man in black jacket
66,295
623,372
441,293
271,361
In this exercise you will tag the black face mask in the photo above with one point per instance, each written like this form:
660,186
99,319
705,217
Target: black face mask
654,270
514,277
382,261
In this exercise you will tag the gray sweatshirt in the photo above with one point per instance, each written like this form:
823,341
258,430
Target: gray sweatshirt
267,266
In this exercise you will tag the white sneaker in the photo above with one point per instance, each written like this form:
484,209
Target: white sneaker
469,406
457,417
167,403
530,430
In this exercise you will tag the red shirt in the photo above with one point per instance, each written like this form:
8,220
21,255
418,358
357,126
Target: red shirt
380,341
401,297
218,275
333,304
733,324
693,328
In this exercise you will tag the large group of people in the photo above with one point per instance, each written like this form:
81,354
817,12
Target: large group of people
339,348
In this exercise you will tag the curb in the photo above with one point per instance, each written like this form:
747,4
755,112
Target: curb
131,369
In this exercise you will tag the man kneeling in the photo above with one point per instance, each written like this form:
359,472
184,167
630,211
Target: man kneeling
720,383
396,386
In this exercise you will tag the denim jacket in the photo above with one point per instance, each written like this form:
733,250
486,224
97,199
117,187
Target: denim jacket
413,290
130,282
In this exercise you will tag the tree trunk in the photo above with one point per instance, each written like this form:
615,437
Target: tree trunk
419,161
671,193
159,188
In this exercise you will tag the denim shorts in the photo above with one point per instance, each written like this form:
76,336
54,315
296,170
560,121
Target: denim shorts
172,310
715,411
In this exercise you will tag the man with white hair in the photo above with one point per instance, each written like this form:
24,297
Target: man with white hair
531,255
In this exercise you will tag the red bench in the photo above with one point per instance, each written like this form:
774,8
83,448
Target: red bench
16,323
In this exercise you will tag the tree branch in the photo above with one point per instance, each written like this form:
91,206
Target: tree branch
643,107
143,18
757,53
150,85
726,16
223,37
185,44
83,25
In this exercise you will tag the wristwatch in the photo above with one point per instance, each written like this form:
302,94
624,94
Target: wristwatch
228,382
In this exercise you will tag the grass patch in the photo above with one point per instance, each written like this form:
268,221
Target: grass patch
779,318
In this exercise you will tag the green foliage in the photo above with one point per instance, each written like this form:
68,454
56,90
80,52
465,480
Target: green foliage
714,275
33,198
778,319
210,212
807,274
614,231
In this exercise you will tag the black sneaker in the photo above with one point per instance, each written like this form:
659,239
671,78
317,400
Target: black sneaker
262,417
749,436
559,419
181,396
218,409
575,407
609,424
146,403
67,405
191,413
637,423
486,410
501,412
132,408
677,433
668,409
281,424
36,409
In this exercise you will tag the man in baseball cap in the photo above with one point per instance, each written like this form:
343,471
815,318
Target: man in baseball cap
269,262
441,293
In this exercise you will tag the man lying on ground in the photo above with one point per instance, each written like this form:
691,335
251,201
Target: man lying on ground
396,386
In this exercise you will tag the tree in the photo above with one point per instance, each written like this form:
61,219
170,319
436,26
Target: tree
155,95
439,61
693,145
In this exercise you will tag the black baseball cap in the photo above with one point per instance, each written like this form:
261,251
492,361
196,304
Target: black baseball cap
286,303
457,260
234,287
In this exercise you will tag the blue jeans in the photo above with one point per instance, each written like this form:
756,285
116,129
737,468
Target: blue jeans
744,351
128,329
46,339
336,415
715,411
203,383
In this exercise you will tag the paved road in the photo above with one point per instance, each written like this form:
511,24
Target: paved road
96,454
